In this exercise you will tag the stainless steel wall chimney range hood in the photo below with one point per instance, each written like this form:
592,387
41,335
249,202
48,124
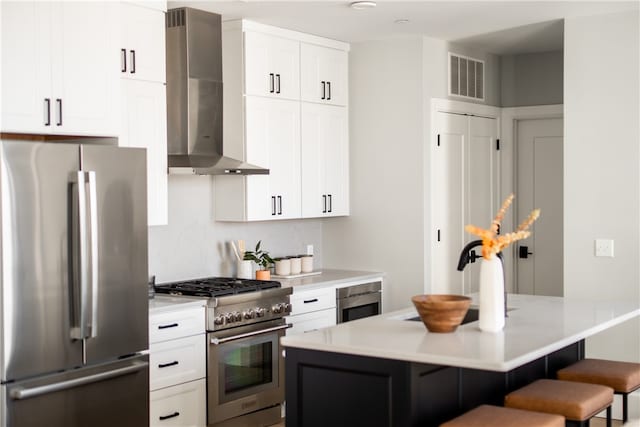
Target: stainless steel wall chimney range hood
194,96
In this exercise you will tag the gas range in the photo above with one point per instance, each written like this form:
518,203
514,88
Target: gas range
234,302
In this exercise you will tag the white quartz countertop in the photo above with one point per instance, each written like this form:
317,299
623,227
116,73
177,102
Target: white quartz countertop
165,303
328,278
536,326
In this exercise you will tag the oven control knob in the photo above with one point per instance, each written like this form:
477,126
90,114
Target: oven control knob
260,312
229,318
219,320
237,316
277,308
287,308
249,314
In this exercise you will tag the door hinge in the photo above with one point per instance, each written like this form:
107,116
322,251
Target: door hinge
438,140
498,144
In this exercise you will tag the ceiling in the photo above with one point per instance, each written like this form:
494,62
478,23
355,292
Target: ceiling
500,27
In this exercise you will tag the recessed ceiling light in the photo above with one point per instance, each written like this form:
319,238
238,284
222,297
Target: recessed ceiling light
401,21
359,5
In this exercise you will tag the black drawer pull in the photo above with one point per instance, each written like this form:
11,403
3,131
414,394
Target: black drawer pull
166,417
166,365
173,325
310,300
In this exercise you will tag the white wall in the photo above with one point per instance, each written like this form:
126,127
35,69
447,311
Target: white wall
602,159
385,229
194,245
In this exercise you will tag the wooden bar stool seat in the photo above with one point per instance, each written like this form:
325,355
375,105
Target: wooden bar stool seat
577,402
622,377
496,416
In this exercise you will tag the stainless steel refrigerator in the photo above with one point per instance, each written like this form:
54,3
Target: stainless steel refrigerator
73,221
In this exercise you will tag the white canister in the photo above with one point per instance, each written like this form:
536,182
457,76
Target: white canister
245,269
296,264
283,266
307,263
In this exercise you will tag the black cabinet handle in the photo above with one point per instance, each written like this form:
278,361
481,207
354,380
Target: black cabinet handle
330,204
324,90
47,112
59,102
172,325
277,83
166,417
324,203
279,205
328,90
166,365
133,61
271,83
123,60
273,205
309,301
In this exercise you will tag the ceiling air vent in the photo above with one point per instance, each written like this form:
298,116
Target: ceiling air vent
175,18
466,77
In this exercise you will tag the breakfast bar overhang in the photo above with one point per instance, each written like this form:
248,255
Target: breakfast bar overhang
389,371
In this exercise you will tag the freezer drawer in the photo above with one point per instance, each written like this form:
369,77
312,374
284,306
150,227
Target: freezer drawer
107,395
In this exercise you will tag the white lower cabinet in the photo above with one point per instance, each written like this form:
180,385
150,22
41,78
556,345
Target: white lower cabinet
182,405
313,321
311,310
177,361
178,367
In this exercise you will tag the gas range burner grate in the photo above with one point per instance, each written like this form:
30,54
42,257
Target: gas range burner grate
215,286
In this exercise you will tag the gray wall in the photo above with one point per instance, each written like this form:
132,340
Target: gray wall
601,165
194,245
531,79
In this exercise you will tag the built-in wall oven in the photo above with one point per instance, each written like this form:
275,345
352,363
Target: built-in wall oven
358,301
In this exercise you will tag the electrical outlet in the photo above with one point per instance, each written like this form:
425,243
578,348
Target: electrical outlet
604,247
309,249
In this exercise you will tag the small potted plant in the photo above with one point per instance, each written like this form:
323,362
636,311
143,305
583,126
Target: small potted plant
263,260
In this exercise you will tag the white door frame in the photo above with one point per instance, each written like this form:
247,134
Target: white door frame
508,161
439,105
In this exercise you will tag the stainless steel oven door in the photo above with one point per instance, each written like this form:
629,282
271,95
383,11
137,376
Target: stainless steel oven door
358,306
245,369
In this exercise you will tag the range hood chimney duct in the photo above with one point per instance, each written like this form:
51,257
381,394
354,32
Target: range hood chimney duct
194,96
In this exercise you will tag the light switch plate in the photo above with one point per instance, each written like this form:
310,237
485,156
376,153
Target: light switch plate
309,249
604,247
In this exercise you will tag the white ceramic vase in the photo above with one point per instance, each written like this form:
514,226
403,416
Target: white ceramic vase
491,295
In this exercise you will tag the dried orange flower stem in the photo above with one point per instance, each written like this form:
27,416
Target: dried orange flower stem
492,242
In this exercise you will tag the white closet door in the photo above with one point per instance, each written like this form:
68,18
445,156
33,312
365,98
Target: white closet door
539,178
448,203
464,192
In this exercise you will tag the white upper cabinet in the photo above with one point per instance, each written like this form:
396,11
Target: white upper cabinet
267,124
325,161
324,75
273,142
143,122
144,125
57,68
142,43
272,66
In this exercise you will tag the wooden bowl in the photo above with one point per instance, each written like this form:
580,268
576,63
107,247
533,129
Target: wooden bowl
441,313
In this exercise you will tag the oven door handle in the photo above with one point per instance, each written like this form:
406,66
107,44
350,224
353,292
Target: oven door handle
217,341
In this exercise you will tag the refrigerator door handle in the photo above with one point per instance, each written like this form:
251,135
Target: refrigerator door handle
92,263
26,393
79,255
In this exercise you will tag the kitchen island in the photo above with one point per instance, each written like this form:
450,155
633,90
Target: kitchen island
390,371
